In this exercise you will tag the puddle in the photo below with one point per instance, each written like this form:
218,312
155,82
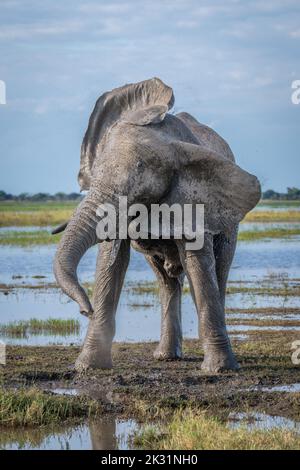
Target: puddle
102,434
262,421
261,328
291,388
251,300
239,337
64,391
110,433
25,228
257,317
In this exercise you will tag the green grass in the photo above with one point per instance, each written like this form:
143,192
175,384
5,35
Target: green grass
190,430
55,213
36,219
13,206
38,237
35,213
35,326
32,407
253,235
278,204
43,237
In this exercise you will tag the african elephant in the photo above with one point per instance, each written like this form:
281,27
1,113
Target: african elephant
133,146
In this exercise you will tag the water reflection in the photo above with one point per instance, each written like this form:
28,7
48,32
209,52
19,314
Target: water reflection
107,433
111,433
262,421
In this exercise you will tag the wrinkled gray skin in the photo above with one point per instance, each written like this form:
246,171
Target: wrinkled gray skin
134,148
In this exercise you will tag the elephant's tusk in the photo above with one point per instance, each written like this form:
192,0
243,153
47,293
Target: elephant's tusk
60,228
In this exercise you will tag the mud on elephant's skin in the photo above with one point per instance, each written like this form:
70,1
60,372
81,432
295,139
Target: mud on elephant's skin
133,147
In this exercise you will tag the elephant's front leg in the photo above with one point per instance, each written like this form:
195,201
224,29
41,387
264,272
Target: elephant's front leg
96,352
170,345
201,272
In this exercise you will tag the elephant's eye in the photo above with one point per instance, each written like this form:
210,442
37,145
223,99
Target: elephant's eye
139,164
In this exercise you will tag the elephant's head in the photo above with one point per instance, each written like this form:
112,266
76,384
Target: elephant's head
134,148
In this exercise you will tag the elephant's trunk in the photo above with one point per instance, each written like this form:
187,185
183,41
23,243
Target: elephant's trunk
78,237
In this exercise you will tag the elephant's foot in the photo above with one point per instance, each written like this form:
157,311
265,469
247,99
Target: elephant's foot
93,359
96,351
167,352
219,360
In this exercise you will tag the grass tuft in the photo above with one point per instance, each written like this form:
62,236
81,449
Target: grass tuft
190,430
53,326
35,408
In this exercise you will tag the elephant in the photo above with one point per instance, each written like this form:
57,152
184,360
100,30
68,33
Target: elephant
135,147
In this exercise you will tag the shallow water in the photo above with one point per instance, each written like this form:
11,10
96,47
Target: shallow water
291,388
239,337
110,433
138,316
102,434
137,319
65,391
251,300
252,260
246,328
251,316
33,228
262,421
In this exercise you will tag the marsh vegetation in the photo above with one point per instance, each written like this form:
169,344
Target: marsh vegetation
52,326
148,403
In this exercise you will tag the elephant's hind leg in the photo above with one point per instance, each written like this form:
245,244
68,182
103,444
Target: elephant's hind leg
201,272
170,345
96,352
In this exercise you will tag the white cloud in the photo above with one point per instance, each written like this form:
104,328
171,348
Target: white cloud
104,8
22,31
187,24
295,34
237,74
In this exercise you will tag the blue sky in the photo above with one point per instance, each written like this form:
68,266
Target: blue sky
231,64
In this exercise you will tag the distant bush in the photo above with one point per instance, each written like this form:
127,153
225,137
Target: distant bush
40,197
292,194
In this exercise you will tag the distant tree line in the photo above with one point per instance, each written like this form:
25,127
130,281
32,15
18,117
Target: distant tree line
291,194
41,197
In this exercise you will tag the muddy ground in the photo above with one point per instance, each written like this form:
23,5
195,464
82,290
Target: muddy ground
139,386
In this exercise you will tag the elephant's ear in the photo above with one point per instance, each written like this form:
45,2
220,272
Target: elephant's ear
147,115
206,177
138,103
